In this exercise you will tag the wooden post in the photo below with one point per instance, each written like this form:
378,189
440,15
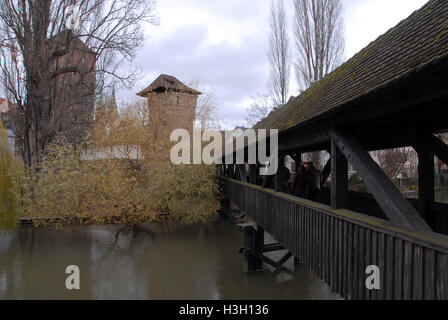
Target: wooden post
425,183
339,177
258,246
398,209
225,213
253,247
326,172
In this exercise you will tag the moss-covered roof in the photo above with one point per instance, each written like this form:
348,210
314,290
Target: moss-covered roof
414,42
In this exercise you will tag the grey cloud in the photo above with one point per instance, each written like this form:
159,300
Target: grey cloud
234,73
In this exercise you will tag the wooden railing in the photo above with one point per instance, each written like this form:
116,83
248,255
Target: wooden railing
366,204
338,245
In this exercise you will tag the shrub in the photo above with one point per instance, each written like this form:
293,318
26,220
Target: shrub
118,188
11,170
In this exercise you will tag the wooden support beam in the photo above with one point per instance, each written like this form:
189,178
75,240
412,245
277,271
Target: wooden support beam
339,177
277,264
398,209
429,143
326,172
273,247
304,139
253,247
425,183
225,212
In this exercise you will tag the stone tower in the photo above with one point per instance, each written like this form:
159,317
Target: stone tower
172,105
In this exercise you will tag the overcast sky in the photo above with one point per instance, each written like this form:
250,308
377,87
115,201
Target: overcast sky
222,44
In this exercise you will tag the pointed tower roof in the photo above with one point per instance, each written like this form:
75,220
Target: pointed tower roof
167,83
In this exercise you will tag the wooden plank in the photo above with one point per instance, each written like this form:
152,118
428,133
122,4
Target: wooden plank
325,248
313,242
317,228
339,177
281,232
307,242
398,263
395,206
374,261
407,270
368,261
349,279
340,252
321,244
442,276
425,183
361,264
291,224
417,283
316,243
344,259
296,233
381,254
429,274
302,235
291,232
333,251
356,259
389,270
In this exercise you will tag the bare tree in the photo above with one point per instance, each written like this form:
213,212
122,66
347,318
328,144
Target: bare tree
137,109
278,53
319,37
260,108
394,161
207,114
56,54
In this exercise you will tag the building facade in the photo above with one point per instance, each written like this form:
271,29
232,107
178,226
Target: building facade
72,94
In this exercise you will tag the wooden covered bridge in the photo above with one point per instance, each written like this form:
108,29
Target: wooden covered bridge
394,93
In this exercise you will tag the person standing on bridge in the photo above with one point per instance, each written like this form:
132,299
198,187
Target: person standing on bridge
314,178
299,184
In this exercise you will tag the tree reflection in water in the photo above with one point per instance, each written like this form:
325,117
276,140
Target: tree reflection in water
155,261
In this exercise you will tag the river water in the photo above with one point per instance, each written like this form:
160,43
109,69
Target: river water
157,261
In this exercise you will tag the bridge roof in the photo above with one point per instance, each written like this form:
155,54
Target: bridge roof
419,40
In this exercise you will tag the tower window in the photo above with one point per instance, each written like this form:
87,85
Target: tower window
176,99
